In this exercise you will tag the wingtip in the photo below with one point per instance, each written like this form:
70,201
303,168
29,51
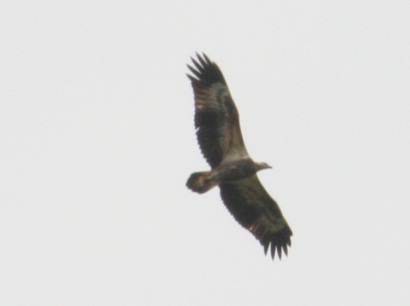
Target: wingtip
206,58
201,55
285,249
266,248
190,77
277,249
272,252
201,60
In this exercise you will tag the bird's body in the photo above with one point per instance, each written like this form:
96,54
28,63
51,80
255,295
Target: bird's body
232,169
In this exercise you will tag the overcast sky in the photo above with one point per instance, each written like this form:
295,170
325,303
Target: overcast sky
97,141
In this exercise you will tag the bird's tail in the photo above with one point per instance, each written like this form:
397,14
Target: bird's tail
200,182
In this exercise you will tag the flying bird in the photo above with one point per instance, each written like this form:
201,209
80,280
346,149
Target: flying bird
232,169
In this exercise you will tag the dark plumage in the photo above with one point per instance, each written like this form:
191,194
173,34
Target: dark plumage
232,169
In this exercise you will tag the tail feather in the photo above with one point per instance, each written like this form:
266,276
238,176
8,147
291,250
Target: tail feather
198,182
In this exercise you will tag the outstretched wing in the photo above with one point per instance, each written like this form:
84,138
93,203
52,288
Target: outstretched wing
216,116
255,210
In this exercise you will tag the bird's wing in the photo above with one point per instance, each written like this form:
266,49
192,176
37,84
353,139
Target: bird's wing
216,116
255,210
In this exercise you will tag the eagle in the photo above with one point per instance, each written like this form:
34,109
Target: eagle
220,139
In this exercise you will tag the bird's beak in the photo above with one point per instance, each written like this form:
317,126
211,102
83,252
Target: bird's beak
265,166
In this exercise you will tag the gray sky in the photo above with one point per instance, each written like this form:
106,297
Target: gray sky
97,141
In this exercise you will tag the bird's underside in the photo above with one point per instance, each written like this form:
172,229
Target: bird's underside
225,173
232,169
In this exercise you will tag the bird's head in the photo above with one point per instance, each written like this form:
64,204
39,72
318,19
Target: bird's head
261,166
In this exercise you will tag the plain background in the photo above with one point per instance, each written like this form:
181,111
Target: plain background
97,141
